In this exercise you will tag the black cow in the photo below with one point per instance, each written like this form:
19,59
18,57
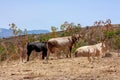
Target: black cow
38,47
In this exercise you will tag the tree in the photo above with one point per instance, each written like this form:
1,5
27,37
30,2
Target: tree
54,31
21,42
70,28
64,26
15,30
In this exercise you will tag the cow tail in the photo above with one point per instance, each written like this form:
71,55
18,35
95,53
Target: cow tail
28,44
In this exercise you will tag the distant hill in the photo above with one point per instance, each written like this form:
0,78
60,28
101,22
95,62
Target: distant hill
5,33
38,31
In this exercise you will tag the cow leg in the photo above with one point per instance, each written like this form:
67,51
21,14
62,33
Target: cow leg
98,58
48,54
47,57
44,54
93,58
67,54
70,52
89,59
58,55
28,55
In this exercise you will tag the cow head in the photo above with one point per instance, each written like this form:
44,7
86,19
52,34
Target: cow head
75,38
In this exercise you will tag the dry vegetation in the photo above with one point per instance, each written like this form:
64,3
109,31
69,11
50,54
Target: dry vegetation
107,68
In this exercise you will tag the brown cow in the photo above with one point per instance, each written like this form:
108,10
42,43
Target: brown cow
62,43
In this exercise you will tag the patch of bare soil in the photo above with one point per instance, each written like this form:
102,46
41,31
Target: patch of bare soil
107,68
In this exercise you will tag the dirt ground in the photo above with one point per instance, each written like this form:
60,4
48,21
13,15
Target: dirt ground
107,68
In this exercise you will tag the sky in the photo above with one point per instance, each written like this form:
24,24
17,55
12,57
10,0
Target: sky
42,14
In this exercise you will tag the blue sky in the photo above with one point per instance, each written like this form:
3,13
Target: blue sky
42,14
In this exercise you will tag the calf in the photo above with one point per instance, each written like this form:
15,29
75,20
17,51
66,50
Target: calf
38,47
93,51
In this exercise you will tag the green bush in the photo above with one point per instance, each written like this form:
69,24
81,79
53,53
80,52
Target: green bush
1,49
2,53
44,38
109,34
117,32
117,42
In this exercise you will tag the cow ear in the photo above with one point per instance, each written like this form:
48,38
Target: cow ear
103,40
81,36
73,36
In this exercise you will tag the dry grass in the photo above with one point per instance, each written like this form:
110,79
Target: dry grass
107,68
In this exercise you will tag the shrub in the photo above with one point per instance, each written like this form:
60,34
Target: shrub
109,34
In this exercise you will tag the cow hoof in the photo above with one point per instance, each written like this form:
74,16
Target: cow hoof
25,62
52,59
78,63
45,62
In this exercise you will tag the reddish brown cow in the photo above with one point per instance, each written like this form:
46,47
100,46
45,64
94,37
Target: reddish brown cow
62,43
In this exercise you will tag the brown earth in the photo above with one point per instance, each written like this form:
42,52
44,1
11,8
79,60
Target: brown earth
107,68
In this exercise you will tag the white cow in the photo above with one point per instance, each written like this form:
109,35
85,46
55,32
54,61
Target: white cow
93,51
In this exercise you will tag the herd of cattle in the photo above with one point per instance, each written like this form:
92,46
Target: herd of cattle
56,45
